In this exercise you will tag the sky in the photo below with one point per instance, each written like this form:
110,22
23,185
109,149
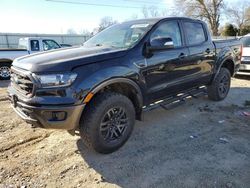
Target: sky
42,16
50,17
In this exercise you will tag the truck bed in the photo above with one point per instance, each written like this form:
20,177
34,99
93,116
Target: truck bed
219,44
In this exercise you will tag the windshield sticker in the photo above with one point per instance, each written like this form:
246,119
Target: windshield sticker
139,26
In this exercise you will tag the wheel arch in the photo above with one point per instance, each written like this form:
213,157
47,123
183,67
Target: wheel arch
124,86
229,64
4,60
226,63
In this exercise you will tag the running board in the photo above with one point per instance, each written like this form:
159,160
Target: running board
177,100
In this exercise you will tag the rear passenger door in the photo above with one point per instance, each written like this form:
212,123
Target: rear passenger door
201,50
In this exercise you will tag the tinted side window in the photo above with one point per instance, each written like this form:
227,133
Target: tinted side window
34,44
195,33
168,29
49,45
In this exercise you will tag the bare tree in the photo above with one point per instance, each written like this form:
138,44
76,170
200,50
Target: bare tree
207,10
85,32
106,22
239,14
71,31
145,12
153,11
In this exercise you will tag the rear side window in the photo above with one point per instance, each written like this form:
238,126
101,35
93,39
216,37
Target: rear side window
34,44
195,33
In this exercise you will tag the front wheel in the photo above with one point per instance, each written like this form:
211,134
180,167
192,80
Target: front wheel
220,87
4,71
107,122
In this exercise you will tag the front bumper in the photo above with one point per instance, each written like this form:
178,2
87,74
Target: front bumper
49,117
244,68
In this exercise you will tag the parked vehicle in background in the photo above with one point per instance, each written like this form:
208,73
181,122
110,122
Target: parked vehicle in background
65,45
26,46
245,60
99,89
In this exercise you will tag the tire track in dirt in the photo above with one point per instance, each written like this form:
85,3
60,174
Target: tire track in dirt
30,141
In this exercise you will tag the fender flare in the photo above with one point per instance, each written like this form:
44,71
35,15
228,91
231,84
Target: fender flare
4,60
121,80
220,65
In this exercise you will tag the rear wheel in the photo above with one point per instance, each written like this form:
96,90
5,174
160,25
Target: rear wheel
4,71
107,122
220,87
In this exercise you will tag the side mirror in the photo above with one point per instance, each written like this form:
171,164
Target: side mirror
158,44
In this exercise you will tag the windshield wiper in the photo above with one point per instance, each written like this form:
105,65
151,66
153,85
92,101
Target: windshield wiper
111,46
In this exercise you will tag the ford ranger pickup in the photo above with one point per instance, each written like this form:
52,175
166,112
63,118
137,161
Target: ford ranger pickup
99,89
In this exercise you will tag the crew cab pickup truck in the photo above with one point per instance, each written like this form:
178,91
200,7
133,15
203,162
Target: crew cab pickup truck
100,89
26,46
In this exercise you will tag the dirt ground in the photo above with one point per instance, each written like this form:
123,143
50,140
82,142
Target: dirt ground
198,144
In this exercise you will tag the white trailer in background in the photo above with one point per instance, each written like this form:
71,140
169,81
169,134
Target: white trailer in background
26,46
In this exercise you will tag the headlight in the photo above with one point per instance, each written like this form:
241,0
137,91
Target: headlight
56,80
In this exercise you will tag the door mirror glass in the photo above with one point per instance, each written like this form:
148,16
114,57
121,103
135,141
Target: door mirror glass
157,44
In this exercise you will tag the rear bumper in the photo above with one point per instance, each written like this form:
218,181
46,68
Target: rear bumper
244,69
59,117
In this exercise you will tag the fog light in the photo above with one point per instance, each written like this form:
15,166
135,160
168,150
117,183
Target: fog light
55,116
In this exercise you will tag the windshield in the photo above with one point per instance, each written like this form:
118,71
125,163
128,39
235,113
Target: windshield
123,35
246,41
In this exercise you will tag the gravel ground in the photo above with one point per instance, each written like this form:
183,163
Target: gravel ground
198,144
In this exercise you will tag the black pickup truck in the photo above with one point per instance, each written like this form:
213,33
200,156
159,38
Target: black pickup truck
101,88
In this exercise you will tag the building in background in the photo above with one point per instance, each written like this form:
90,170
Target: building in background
10,40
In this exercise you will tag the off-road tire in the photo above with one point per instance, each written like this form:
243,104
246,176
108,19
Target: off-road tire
220,87
4,66
92,118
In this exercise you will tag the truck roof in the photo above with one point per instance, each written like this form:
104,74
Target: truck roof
32,38
155,20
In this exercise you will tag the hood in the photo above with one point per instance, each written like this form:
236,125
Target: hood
66,59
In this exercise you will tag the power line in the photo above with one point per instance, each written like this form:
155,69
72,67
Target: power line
94,4
145,2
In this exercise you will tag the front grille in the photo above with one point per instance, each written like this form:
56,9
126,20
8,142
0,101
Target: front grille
22,82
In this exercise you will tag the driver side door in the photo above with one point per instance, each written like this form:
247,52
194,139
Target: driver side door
167,69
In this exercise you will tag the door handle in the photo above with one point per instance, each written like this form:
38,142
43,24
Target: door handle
141,64
182,56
